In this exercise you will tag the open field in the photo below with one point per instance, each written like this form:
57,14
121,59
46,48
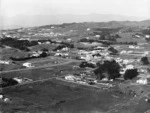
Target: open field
54,96
43,72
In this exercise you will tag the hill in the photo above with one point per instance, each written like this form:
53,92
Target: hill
38,20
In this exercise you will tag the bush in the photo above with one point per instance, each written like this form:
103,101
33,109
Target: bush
144,60
130,74
113,50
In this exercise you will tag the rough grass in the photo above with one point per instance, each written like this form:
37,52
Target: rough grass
54,96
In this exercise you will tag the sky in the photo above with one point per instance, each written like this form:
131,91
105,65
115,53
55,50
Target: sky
138,8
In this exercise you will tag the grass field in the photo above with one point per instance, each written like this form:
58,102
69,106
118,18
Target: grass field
45,72
53,96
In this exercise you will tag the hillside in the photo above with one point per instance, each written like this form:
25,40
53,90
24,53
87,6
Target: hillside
38,20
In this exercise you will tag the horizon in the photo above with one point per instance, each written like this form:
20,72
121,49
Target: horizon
24,13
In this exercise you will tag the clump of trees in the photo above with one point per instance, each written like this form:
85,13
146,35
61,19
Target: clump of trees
86,64
8,82
43,54
19,44
146,31
127,43
130,74
108,69
107,33
63,45
144,60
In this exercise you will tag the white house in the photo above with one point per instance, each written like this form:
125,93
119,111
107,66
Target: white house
18,80
131,47
65,49
146,53
88,29
142,81
147,36
123,52
70,77
97,36
47,42
1,96
129,67
138,36
27,64
4,62
52,27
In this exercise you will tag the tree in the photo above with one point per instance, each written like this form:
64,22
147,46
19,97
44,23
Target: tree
109,69
144,60
130,74
43,54
112,50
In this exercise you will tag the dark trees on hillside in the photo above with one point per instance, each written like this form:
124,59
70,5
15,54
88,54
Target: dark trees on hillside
86,64
130,74
63,45
109,69
146,31
144,60
19,44
8,82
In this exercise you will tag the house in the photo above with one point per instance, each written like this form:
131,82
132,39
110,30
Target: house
142,81
39,43
137,36
70,77
123,52
27,64
4,62
52,27
119,60
58,54
62,54
147,36
18,80
131,47
97,36
65,49
88,29
69,39
47,42
146,53
1,96
134,47
129,67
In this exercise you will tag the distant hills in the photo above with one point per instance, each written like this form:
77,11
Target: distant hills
38,20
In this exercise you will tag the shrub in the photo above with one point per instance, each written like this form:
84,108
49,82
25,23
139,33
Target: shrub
130,74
